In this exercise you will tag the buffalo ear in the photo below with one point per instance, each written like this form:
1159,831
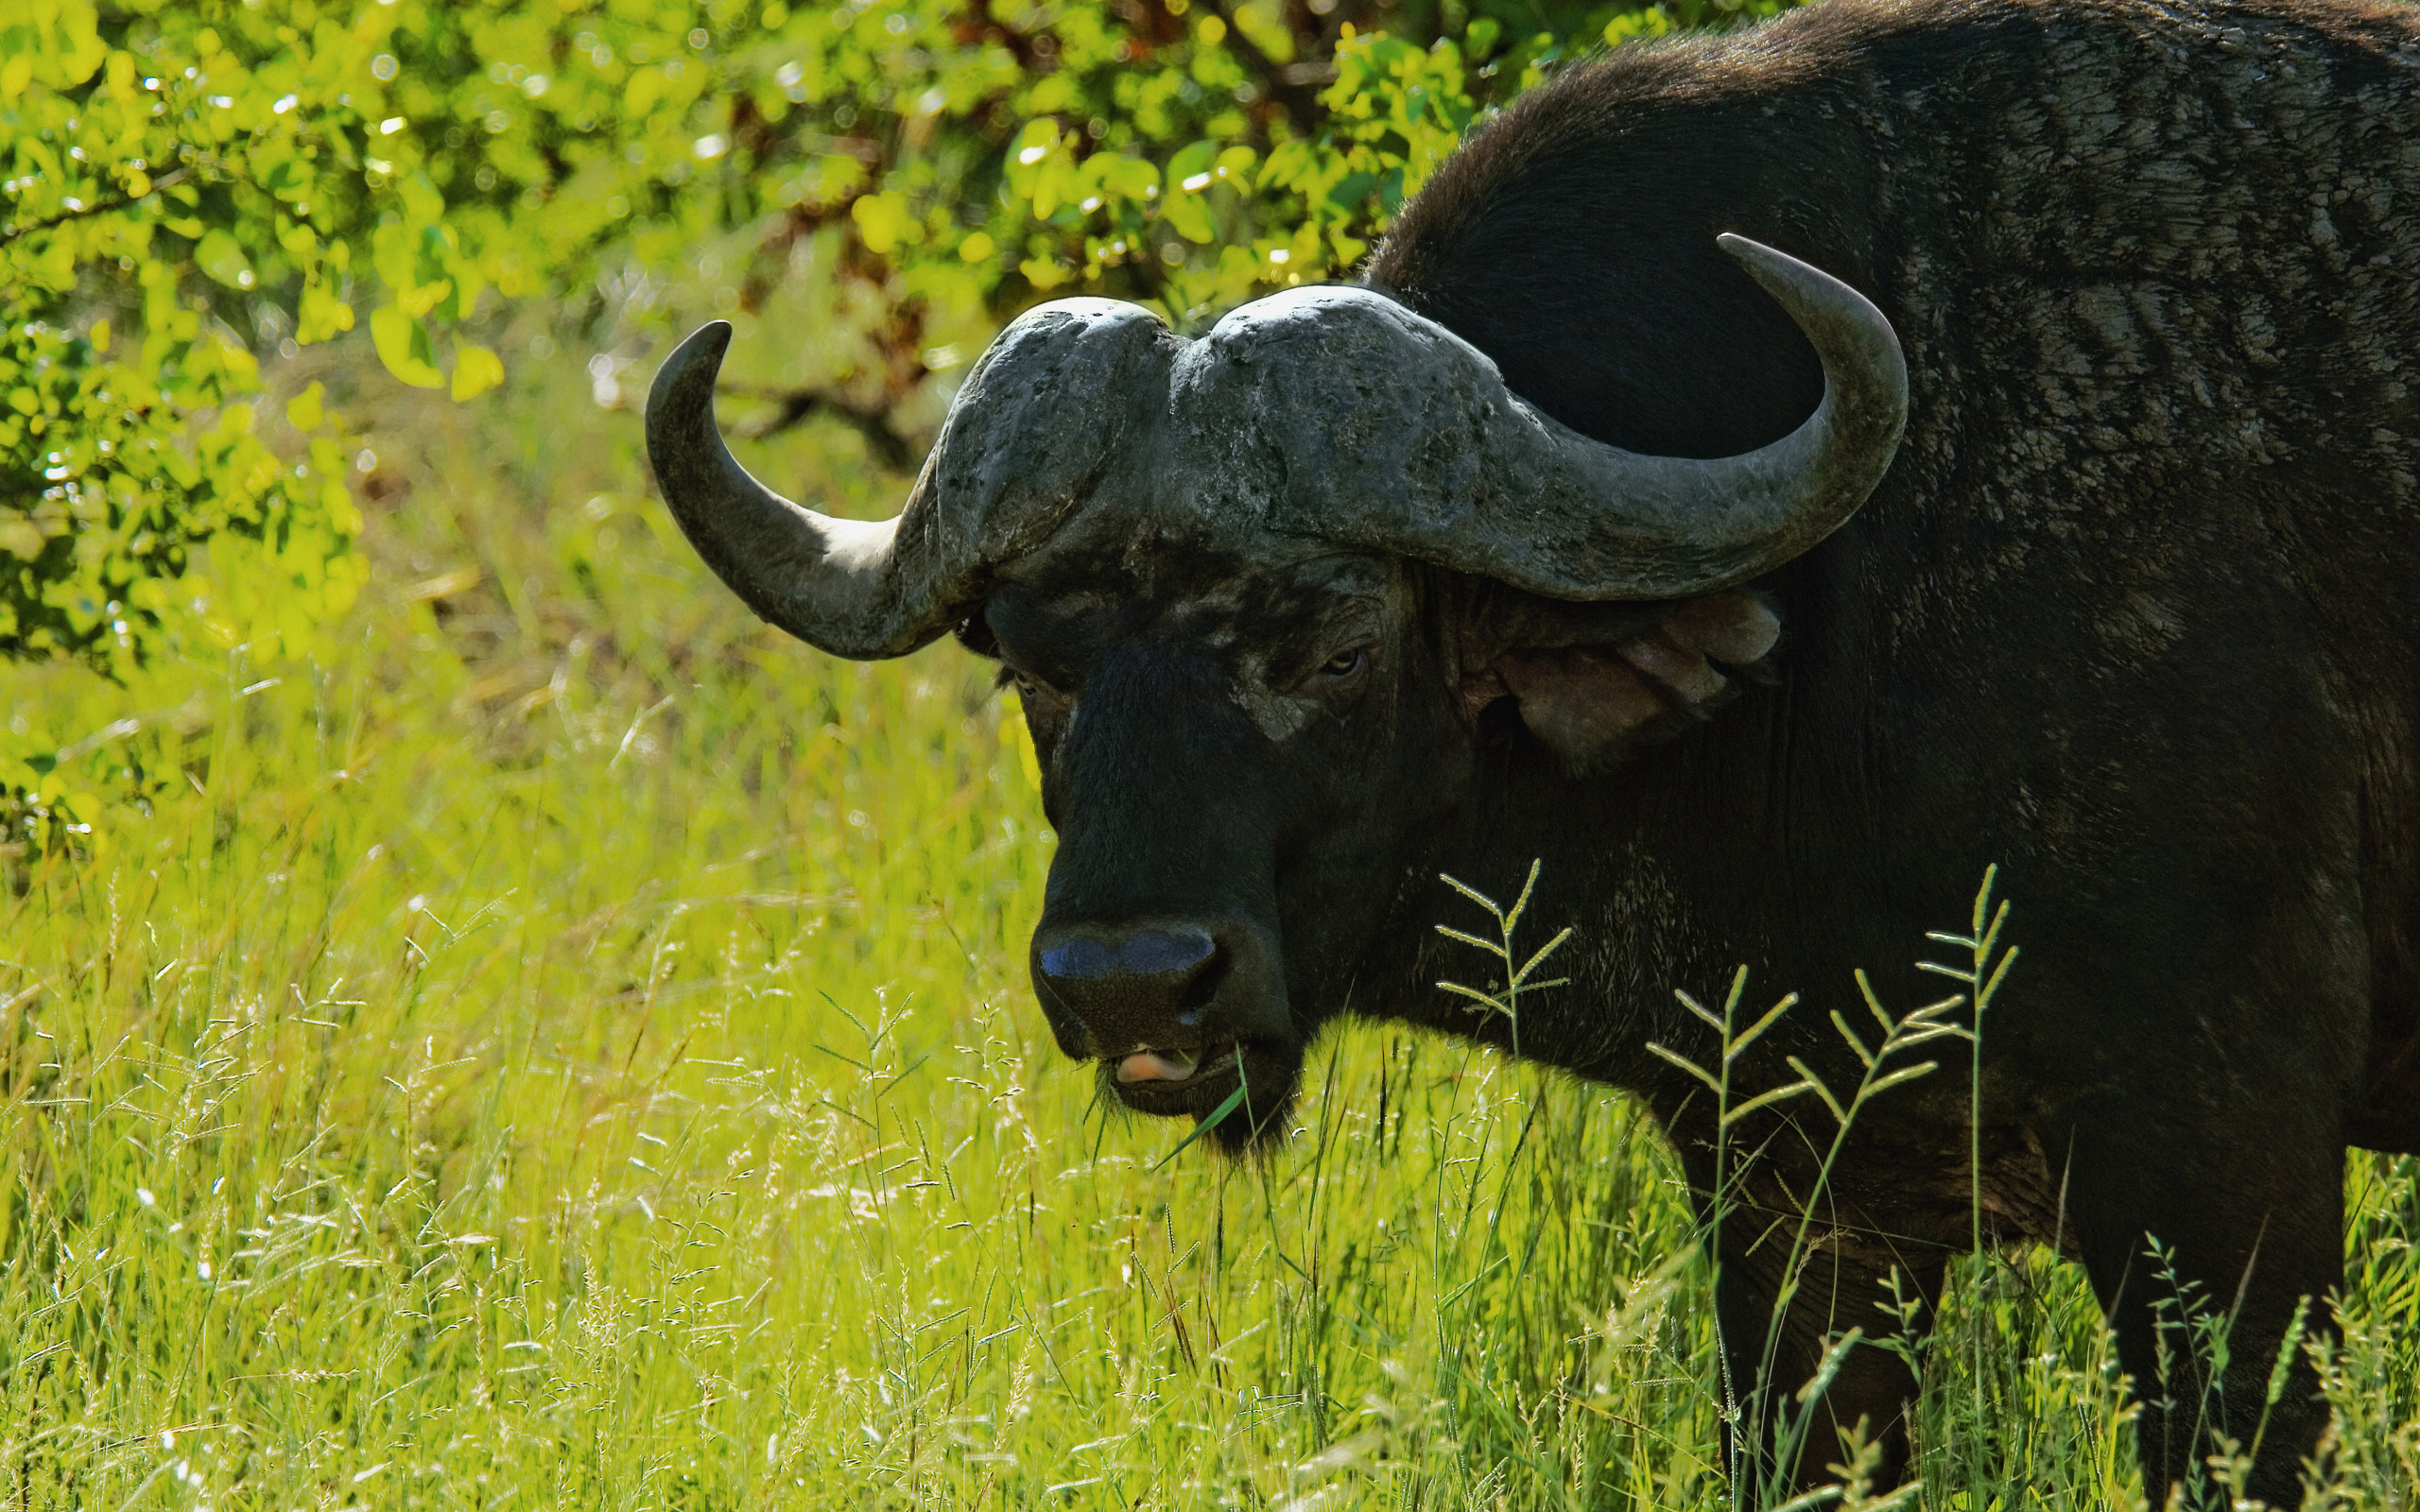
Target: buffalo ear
1594,701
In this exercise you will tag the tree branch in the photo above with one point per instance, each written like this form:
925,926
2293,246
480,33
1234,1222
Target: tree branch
99,207
796,407
1289,85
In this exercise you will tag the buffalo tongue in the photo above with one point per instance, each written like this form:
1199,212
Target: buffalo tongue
1156,1065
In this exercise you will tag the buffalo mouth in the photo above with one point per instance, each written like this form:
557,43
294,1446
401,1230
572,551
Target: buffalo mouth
1198,1081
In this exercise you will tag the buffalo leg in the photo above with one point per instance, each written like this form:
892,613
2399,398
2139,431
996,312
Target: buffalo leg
1767,1366
2261,1238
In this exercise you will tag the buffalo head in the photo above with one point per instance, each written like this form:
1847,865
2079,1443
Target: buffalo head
1234,581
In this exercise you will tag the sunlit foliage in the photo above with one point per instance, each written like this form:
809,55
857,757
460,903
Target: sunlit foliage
192,189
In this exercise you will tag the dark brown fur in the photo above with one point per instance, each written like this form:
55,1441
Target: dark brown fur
2131,614
2136,253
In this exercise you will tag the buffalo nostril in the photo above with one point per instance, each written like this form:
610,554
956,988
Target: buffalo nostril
1201,988
1146,952
1136,987
1078,960
1166,952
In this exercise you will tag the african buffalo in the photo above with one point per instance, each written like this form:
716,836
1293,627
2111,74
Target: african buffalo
1547,543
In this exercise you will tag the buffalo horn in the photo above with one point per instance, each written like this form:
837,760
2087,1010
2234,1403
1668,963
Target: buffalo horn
1033,426
1401,436
1678,526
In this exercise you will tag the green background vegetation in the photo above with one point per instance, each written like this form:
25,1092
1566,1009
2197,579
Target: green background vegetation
194,190
485,1023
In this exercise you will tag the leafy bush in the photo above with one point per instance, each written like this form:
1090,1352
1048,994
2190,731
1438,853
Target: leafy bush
193,190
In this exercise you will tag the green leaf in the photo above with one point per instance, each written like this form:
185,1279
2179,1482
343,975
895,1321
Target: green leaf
290,179
322,315
883,221
1883,1084
1815,1084
1189,215
404,345
1748,1036
1217,1116
304,411
476,370
1191,168
1130,177
1765,1099
1683,1061
1352,189
221,256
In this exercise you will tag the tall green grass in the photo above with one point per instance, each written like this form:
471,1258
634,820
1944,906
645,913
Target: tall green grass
569,1047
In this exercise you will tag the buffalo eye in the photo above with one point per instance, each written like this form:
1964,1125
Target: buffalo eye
1344,666
1029,686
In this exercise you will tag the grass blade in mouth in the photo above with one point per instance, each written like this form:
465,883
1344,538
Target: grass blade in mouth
1217,1116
